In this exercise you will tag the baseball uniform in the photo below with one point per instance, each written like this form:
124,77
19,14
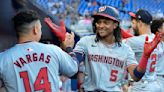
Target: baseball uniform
35,67
160,65
149,79
104,64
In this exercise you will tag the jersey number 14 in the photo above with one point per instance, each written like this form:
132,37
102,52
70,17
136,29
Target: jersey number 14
41,82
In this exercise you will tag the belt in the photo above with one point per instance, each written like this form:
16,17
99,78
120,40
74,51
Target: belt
96,91
161,76
144,81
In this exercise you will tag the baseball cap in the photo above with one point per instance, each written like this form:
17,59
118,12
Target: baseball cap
133,15
108,12
144,16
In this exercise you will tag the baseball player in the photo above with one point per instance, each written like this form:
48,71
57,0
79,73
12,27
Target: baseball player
30,66
127,33
135,33
158,26
148,82
105,56
134,23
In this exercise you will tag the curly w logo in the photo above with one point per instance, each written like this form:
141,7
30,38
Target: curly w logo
101,9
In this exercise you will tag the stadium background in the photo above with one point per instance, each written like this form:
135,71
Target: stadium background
77,14
77,17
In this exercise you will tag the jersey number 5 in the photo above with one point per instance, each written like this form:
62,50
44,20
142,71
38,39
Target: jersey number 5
152,65
113,75
41,82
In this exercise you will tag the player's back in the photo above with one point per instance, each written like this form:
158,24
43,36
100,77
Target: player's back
34,66
137,44
160,65
160,62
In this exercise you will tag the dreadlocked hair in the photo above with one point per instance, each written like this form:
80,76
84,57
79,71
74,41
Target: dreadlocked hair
117,35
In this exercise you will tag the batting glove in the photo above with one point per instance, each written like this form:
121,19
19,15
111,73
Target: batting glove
59,31
150,46
148,49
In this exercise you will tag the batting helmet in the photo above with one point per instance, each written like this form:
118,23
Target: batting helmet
108,12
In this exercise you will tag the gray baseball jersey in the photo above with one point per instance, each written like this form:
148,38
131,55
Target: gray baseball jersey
137,45
35,67
160,63
160,66
104,64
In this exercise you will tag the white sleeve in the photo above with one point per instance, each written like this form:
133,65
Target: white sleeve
81,46
136,45
67,65
132,43
131,58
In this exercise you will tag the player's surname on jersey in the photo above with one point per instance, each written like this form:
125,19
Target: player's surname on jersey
34,57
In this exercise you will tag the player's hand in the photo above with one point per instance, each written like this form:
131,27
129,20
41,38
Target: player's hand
69,41
59,31
150,46
63,78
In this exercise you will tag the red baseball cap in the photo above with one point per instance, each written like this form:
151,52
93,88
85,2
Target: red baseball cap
132,14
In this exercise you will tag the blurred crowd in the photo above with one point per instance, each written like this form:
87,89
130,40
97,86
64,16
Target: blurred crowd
77,13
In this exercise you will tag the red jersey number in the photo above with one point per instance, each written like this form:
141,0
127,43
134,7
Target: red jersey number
41,82
113,75
152,65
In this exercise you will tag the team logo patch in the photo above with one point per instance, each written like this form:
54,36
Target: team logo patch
101,9
29,49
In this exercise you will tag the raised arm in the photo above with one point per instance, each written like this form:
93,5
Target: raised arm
65,38
59,31
137,72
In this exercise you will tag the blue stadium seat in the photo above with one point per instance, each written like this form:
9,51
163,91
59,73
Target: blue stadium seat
131,5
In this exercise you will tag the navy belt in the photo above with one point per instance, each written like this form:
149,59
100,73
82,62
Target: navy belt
161,75
96,91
